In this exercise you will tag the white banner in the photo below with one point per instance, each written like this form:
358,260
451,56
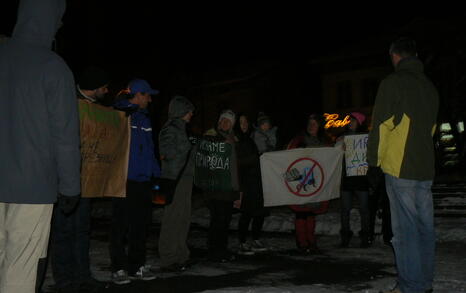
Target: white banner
355,154
301,176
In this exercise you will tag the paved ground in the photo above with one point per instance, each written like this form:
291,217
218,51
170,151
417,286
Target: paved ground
283,269
335,270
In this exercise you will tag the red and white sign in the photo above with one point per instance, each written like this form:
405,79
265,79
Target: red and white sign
310,180
301,176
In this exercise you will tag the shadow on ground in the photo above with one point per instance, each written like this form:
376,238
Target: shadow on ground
278,269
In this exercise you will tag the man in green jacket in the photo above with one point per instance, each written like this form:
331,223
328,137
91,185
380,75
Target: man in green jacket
401,144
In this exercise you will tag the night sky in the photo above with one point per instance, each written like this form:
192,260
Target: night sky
184,46
199,37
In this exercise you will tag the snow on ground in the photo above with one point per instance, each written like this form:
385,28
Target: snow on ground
284,270
282,220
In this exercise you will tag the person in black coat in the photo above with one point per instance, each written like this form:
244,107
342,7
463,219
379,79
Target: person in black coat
354,185
251,203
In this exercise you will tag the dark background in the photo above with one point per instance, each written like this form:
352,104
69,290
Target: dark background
183,48
142,38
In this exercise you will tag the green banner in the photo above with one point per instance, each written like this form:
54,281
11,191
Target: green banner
213,166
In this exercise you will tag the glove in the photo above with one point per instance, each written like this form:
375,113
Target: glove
68,203
374,175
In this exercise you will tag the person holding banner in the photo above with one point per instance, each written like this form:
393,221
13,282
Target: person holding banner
131,215
177,164
70,232
217,174
305,215
251,203
354,183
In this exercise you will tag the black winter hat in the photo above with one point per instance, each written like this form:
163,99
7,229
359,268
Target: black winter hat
317,118
262,118
92,78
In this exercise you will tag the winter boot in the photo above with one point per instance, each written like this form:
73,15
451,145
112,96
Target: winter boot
245,249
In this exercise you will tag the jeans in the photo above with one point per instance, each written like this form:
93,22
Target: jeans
70,245
346,205
412,213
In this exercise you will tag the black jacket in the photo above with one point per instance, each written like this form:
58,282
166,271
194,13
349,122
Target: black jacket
249,175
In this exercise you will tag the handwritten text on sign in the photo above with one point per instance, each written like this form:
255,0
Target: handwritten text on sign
212,166
105,137
355,154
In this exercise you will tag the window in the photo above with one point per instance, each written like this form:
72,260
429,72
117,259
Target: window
445,127
460,126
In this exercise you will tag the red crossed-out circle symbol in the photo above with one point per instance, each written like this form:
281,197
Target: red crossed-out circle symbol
311,170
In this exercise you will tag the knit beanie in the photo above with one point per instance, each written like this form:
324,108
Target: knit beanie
358,116
262,118
228,114
92,78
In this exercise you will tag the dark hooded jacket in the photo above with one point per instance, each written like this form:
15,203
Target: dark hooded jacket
39,133
174,144
249,171
403,123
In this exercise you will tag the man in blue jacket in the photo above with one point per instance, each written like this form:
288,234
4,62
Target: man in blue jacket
131,215
39,140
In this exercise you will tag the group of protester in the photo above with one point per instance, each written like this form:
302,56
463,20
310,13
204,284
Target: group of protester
40,138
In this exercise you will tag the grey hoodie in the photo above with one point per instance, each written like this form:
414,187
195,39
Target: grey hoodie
266,141
39,133
174,144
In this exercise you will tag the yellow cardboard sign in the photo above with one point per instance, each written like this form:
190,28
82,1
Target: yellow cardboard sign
105,137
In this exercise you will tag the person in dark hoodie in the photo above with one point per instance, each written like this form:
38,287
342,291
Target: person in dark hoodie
131,215
252,200
176,157
70,232
40,137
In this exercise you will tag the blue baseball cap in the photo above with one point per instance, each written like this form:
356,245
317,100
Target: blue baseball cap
141,86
